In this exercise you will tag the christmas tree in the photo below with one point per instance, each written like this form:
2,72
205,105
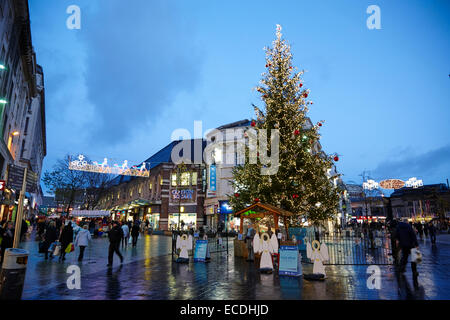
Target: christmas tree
303,183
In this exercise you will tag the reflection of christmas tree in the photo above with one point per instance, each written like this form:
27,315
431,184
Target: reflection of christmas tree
302,184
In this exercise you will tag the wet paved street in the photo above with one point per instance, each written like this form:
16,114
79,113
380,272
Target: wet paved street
149,273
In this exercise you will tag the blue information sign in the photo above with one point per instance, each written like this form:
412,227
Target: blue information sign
289,261
212,177
200,250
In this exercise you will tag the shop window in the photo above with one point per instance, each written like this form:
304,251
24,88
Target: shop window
185,176
174,179
194,178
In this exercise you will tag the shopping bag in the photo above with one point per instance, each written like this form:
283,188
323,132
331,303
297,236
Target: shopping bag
52,247
57,250
69,248
130,241
416,255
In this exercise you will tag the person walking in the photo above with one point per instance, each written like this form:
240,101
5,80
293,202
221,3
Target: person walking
406,240
50,236
135,233
432,231
82,240
92,226
7,238
66,238
126,235
115,235
425,229
419,229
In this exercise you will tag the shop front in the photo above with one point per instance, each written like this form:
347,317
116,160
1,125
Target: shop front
176,221
153,219
211,216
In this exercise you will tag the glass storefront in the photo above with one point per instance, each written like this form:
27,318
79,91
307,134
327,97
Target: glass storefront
187,218
153,220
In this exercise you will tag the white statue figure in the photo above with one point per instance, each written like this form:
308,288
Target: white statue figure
184,243
142,167
317,253
125,165
267,246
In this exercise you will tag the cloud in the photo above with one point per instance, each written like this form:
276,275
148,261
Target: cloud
140,55
432,166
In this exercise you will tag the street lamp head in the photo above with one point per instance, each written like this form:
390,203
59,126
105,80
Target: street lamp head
3,101
2,67
15,133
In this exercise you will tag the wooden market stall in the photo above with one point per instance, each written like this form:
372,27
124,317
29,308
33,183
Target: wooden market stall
257,212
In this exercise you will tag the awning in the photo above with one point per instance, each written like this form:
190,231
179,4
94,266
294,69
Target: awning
132,204
90,213
260,209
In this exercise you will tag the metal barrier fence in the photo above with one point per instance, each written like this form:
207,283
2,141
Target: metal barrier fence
215,244
355,249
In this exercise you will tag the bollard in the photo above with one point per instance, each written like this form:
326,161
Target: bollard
12,276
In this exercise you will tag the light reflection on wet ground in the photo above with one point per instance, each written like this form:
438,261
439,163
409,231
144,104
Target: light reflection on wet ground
149,273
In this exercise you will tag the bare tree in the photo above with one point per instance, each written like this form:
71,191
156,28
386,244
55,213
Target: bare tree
70,185
64,183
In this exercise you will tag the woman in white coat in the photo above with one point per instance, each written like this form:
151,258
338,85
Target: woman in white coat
82,240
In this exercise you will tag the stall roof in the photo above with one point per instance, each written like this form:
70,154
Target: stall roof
268,207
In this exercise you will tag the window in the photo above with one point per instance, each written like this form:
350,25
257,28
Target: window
185,177
118,195
174,179
194,178
140,189
150,185
131,193
160,180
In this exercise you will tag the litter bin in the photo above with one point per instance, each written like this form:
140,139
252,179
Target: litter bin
12,276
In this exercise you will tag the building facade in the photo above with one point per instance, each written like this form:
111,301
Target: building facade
422,203
171,197
22,103
367,205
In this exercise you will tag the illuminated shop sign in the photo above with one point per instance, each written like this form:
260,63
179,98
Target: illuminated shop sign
212,178
185,194
225,207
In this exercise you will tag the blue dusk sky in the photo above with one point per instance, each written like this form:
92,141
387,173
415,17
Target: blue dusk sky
139,69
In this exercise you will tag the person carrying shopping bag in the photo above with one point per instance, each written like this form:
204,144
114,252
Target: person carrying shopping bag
82,240
126,235
135,233
50,236
66,238
406,240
